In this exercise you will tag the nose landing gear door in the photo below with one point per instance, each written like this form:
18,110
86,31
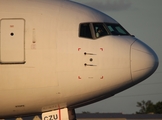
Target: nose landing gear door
12,41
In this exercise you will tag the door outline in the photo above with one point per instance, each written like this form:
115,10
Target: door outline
20,60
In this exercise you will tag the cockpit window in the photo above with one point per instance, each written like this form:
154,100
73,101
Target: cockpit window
97,30
85,30
116,29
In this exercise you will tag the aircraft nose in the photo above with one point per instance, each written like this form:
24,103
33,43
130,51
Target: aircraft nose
144,61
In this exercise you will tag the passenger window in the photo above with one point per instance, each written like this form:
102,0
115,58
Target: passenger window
99,30
85,30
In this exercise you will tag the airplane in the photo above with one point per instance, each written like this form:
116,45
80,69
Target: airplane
58,55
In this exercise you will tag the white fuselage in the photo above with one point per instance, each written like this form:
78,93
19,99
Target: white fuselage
45,65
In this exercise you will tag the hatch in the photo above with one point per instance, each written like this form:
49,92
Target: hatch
12,41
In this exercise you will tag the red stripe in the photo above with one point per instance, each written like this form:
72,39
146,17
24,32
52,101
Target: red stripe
59,112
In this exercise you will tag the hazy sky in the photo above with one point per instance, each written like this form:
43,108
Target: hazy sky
142,18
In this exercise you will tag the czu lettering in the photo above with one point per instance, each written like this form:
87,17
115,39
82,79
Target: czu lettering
51,117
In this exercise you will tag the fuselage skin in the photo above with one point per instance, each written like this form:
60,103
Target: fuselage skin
60,69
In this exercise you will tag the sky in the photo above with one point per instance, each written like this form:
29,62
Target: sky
142,18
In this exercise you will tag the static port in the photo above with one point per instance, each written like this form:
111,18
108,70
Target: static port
91,59
12,34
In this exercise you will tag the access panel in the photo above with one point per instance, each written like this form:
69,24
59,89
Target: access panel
12,43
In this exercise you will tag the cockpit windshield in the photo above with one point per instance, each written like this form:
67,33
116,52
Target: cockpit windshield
97,30
116,29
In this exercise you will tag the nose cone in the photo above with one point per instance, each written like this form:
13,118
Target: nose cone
144,61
